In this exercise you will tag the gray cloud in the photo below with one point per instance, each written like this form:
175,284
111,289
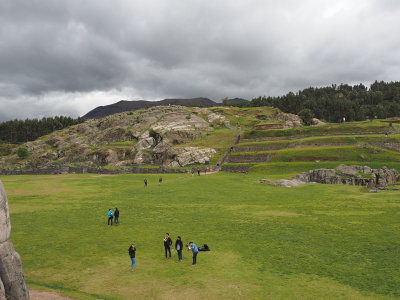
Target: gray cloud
67,57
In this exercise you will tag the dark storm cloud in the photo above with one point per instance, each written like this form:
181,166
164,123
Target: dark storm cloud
66,57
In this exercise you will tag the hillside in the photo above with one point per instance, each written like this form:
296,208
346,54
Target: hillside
124,105
373,143
169,136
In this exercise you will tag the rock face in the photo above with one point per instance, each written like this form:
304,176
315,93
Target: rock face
12,282
351,175
184,156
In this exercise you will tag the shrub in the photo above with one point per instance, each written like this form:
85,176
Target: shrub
22,152
306,116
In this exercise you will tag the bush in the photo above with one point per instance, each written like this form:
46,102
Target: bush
22,152
306,116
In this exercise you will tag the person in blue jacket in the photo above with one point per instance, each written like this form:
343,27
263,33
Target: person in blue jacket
195,250
110,216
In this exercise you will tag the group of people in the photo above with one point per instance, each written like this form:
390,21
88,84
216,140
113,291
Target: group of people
179,247
167,245
113,215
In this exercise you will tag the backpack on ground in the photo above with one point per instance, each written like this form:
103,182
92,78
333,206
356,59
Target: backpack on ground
204,248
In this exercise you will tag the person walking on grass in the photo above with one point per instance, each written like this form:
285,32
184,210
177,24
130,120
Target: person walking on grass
145,182
179,247
167,245
132,254
195,250
110,216
160,180
116,217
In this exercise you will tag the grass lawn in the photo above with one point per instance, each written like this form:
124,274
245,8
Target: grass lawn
310,242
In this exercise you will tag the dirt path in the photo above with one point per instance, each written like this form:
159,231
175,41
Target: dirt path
43,295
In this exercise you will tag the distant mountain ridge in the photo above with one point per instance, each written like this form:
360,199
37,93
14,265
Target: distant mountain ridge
125,105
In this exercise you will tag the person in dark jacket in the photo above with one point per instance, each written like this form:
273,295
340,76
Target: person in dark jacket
167,245
132,254
179,247
116,217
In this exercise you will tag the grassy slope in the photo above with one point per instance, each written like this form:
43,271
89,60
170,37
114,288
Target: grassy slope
375,126
349,139
311,242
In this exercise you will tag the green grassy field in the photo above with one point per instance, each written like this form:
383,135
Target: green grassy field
310,242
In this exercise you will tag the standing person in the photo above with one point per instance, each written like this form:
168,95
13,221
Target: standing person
116,217
198,171
145,182
179,247
195,250
192,172
160,180
110,216
132,254
167,245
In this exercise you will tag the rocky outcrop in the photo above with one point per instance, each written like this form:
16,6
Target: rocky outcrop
184,156
351,175
145,143
289,120
12,282
317,123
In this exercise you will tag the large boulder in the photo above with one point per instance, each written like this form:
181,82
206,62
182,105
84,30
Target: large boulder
5,226
12,282
184,156
2,291
11,272
145,143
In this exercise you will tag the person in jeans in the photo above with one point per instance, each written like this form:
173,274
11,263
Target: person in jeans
179,247
110,216
167,245
195,250
132,254
116,217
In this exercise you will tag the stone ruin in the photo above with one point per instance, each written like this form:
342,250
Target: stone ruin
12,282
351,175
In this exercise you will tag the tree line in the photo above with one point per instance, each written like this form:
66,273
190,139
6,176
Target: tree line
20,131
333,103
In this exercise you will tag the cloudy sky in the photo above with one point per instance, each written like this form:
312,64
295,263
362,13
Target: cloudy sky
67,57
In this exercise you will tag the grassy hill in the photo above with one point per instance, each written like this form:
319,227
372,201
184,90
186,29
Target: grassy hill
169,136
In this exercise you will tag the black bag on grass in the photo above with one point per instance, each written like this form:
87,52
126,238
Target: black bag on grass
204,248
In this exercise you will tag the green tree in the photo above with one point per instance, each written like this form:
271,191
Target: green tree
306,115
22,152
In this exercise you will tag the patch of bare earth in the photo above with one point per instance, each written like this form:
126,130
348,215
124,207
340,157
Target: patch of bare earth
43,295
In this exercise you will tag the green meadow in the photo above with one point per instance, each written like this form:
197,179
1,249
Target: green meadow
310,242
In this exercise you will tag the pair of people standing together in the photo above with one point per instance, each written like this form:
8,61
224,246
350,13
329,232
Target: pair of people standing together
179,247
114,215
